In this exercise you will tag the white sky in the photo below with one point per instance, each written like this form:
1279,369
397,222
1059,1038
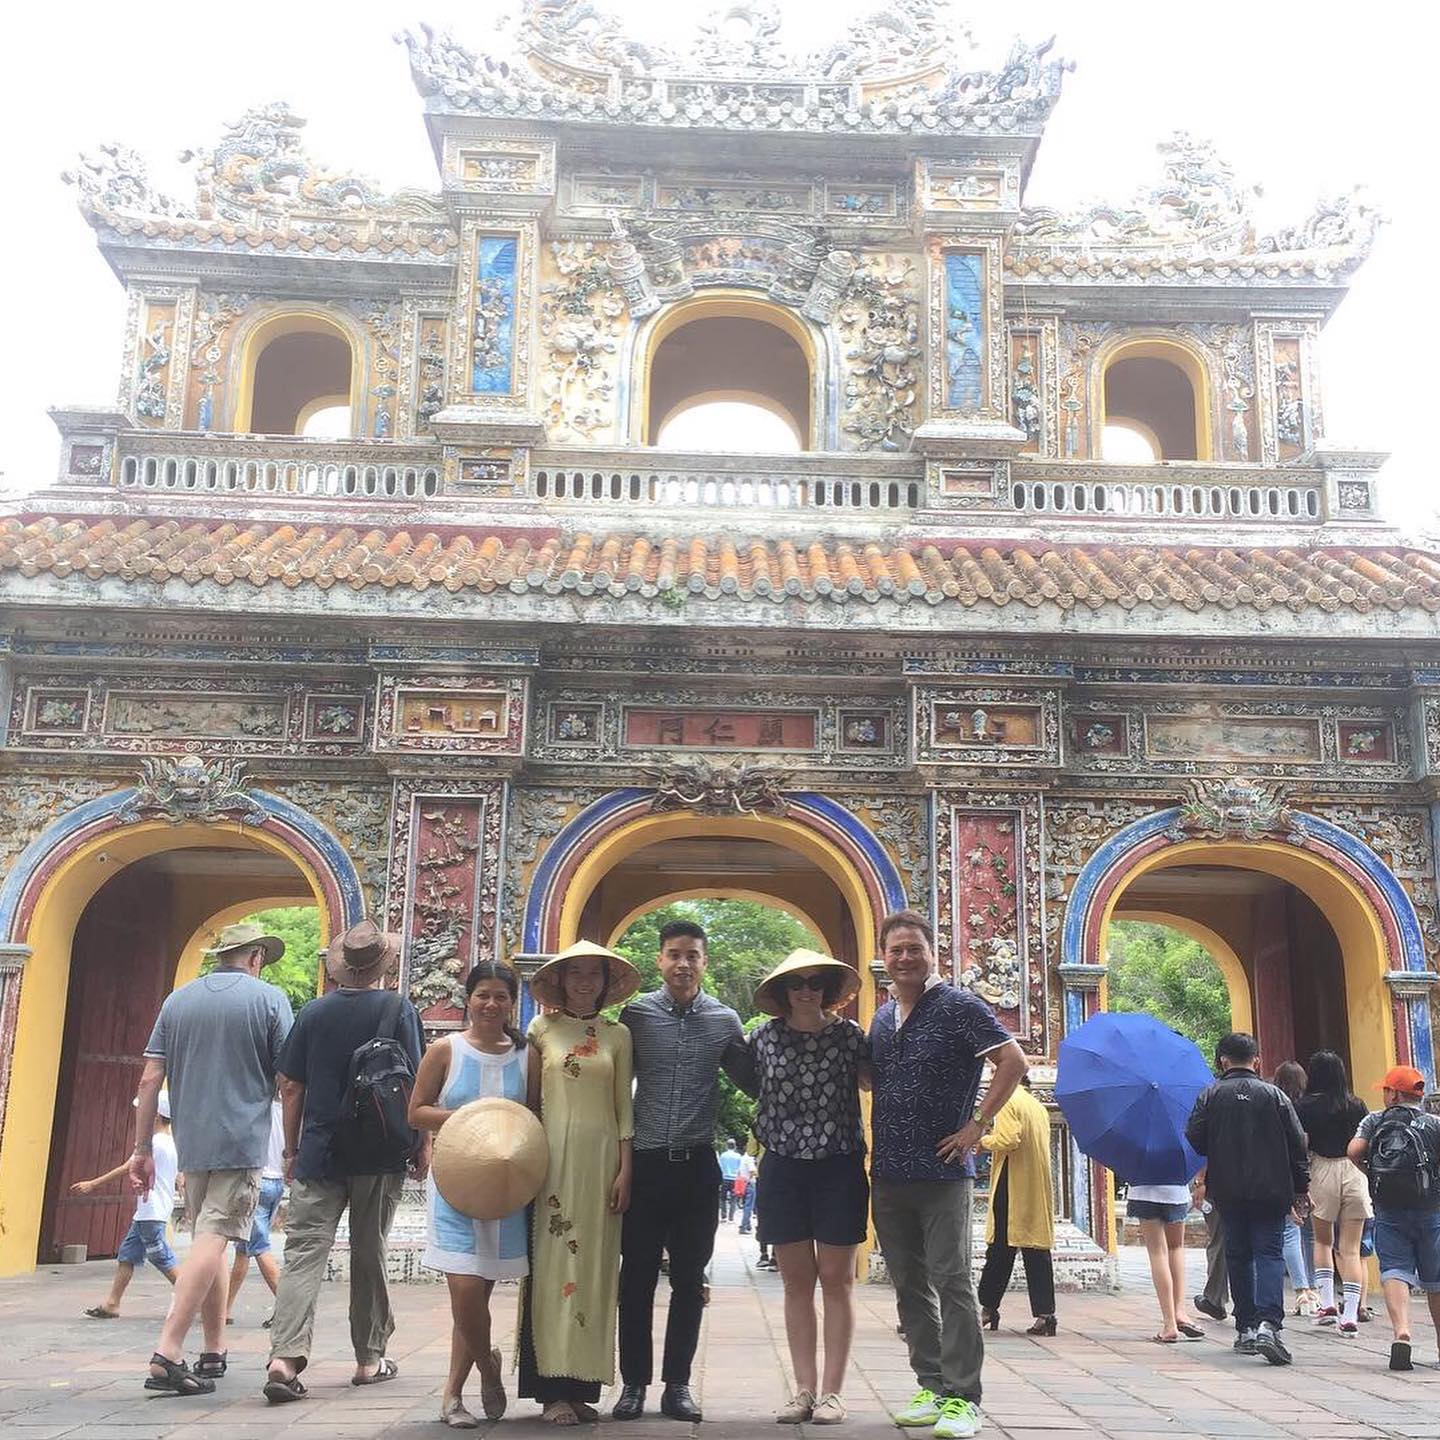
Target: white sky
1305,100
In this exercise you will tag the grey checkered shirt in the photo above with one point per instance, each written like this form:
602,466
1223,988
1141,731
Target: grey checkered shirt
678,1055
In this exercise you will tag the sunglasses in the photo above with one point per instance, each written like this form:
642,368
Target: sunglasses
804,982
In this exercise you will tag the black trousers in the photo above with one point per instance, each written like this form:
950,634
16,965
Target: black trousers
674,1209
1000,1261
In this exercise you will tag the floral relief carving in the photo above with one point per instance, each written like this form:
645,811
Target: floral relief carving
581,312
879,326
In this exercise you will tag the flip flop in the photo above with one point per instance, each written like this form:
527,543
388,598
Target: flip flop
99,1312
1190,1332
1400,1356
1158,1339
281,1392
388,1371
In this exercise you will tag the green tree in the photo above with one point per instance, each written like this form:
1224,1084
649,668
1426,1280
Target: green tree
1160,972
744,941
297,971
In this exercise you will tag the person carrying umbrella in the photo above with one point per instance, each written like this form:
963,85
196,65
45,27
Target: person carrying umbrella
1257,1172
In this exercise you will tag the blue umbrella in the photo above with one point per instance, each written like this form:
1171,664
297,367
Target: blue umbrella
1126,1085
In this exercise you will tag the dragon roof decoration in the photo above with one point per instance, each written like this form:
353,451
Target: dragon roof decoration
894,71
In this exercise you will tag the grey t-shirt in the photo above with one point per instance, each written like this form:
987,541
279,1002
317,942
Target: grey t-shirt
220,1037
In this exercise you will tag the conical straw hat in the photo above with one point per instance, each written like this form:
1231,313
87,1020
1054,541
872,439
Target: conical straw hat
490,1158
767,996
545,983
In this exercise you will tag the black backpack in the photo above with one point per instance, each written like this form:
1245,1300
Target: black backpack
1404,1173
373,1135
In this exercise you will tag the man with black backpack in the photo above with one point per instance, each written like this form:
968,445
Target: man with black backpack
1399,1148
345,1080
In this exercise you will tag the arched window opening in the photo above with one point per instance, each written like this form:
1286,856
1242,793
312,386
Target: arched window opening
326,421
729,359
1159,971
1127,444
299,374
728,425
1152,395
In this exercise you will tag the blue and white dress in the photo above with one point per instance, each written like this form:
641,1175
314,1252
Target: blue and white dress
456,1244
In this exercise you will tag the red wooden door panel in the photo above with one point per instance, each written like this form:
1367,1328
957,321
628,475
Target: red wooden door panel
119,973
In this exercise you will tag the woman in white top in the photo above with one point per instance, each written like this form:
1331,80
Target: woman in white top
1161,1211
488,1058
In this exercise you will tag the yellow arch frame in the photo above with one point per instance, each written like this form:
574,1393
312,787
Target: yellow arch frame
733,305
294,320
192,953
720,892
1184,358
1356,925
1227,962
40,1025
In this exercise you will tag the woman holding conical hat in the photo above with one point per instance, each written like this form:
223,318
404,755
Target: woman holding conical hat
488,1059
810,1065
567,1330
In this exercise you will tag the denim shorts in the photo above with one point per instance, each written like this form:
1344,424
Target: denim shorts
1156,1210
1407,1245
146,1240
265,1208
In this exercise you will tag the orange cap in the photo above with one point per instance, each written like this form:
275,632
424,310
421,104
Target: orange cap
1404,1080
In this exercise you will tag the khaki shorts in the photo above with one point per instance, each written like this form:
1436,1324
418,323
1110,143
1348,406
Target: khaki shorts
222,1202
1338,1191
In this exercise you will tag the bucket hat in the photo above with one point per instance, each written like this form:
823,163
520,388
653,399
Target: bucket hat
767,992
356,956
490,1158
546,986
245,935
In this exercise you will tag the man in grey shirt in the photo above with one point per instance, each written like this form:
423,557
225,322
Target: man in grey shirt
217,1042
682,1037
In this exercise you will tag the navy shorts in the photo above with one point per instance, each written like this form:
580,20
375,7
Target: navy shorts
1156,1210
147,1240
826,1200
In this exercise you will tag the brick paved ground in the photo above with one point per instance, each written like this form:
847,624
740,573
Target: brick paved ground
63,1375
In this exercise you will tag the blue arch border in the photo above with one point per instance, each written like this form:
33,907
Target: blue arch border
560,849
59,831
1407,923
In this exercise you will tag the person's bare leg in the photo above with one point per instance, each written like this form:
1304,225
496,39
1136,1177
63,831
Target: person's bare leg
799,1272
1432,1299
1175,1243
269,1268
124,1274
1157,1248
459,1370
836,1266
1348,1266
470,1307
1397,1306
200,1289
238,1271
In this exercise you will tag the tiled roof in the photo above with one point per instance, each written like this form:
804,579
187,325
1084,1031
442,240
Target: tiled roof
968,573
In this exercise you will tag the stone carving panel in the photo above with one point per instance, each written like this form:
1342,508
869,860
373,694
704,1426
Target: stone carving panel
987,725
581,316
358,814
879,327
473,714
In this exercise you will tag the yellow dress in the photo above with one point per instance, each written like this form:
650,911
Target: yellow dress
586,1108
1020,1144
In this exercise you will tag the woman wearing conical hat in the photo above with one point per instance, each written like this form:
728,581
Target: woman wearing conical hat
568,1314
810,1065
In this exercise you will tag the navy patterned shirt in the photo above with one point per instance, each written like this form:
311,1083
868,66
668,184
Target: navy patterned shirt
927,1075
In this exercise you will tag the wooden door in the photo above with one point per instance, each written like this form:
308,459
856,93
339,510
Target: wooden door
120,970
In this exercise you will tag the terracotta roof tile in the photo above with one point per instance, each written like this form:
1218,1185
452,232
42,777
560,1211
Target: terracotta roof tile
766,570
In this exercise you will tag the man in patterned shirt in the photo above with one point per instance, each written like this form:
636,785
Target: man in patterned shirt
682,1037
930,1042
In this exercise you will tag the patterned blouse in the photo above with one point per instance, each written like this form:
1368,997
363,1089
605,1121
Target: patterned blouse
809,1103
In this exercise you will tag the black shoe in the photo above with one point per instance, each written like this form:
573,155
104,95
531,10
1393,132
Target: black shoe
1269,1344
678,1403
1400,1356
631,1404
1215,1312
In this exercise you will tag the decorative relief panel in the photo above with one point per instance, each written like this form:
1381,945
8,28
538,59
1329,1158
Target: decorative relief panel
358,815
443,887
584,726
987,725
469,714
1211,734
490,354
506,167
536,815
427,375
581,319
154,364
878,322
968,376
959,189
32,801
991,910
1287,390
169,715
1035,385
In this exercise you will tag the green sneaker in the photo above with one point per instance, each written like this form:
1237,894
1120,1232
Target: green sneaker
957,1418
924,1409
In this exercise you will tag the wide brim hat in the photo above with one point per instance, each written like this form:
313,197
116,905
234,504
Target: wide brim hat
490,1158
767,992
246,936
546,986
360,953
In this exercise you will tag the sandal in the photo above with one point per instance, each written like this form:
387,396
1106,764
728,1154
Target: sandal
1189,1331
585,1414
178,1379
212,1365
558,1412
387,1370
99,1312
281,1392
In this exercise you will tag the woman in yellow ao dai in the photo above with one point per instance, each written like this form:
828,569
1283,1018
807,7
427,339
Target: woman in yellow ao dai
567,1345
